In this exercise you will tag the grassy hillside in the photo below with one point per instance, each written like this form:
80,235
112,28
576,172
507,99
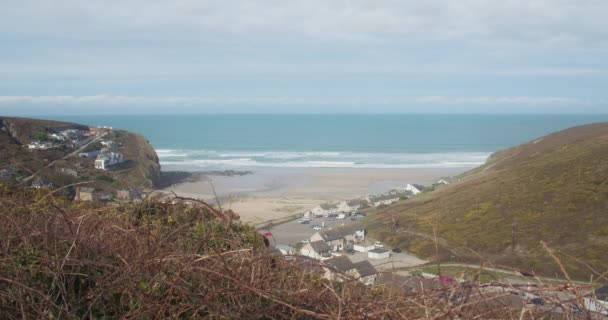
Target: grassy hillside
553,189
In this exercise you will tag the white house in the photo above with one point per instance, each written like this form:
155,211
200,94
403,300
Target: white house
364,246
378,253
377,200
58,137
108,143
40,145
105,160
443,181
414,188
325,209
598,302
316,249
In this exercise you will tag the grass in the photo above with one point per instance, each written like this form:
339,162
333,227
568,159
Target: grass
553,190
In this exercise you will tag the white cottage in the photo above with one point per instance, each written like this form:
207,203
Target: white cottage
364,246
325,209
378,253
414,188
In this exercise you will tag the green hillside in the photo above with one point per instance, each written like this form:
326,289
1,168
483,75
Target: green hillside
553,189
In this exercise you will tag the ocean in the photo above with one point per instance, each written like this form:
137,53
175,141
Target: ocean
248,142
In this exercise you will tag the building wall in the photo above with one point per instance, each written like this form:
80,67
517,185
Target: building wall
374,255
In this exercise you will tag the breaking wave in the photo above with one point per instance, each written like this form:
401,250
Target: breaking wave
221,160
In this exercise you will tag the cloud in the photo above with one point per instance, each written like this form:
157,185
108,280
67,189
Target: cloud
541,21
105,100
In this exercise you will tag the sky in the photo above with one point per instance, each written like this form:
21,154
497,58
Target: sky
303,56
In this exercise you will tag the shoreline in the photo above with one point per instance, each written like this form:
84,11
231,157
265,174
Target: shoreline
275,194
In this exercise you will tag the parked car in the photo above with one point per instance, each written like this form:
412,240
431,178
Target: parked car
378,244
526,273
350,250
316,227
305,241
396,250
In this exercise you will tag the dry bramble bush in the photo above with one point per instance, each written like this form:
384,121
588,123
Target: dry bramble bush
67,260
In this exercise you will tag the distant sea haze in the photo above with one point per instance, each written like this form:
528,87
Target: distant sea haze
238,142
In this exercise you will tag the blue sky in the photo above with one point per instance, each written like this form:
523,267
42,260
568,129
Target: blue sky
247,56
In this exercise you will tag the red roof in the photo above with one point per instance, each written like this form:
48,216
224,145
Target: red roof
267,234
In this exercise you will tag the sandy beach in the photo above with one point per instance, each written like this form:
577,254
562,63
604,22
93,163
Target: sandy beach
274,193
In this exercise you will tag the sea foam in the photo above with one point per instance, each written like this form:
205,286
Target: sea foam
214,160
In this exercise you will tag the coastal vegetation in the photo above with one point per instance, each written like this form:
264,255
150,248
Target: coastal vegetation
63,260
553,189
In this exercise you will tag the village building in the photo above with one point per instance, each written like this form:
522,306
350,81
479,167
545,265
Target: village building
338,268
128,194
338,236
364,246
386,199
103,196
41,183
84,194
57,137
341,267
351,205
378,253
598,302
40,145
105,160
108,143
415,189
325,210
317,250
89,154
443,181
365,272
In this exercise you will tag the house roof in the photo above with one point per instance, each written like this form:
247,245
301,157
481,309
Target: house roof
340,264
602,293
84,189
319,246
327,206
378,250
365,268
419,187
339,232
